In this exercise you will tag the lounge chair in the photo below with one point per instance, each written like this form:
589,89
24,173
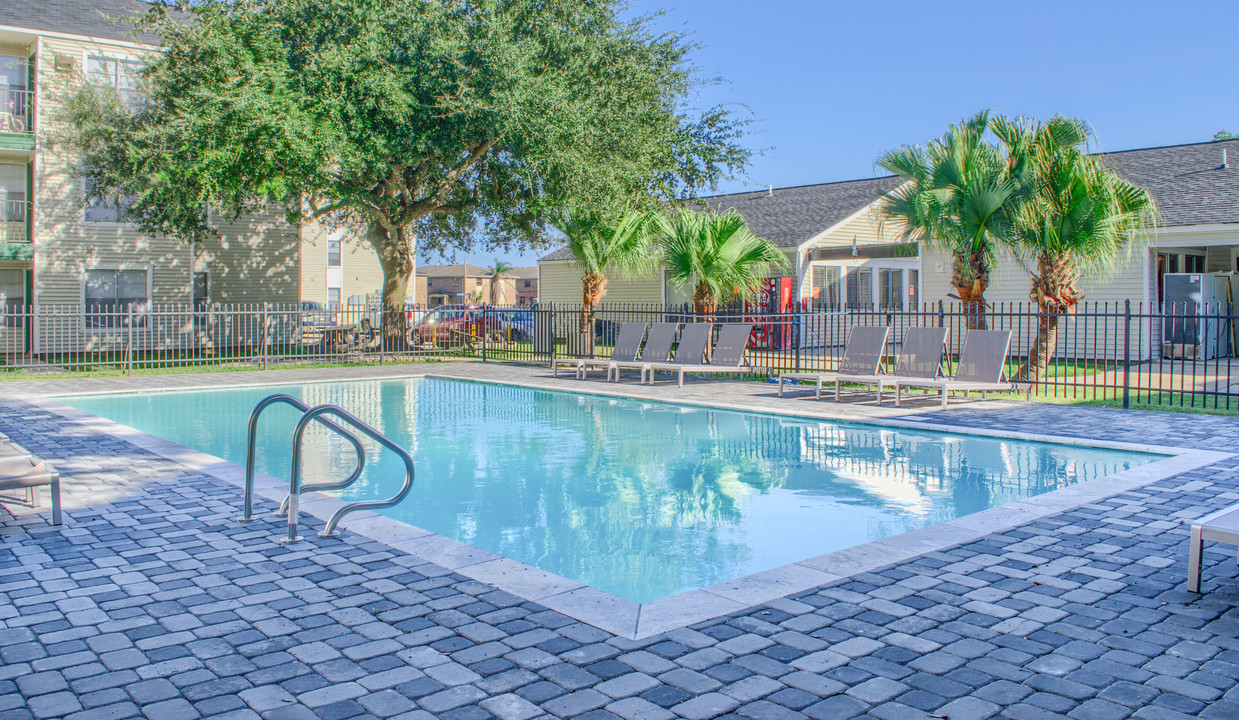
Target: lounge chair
657,347
20,471
982,367
861,355
1221,526
728,356
920,358
627,343
692,349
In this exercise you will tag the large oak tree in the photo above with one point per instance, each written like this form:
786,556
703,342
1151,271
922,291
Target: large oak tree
425,123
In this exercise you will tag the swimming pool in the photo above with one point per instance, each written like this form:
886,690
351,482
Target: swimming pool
640,499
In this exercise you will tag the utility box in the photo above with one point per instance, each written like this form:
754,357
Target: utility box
544,332
1196,311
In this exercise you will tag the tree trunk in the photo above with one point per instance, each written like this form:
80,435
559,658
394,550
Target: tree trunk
593,287
395,251
704,302
1054,294
970,277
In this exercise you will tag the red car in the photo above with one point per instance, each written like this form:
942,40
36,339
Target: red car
454,324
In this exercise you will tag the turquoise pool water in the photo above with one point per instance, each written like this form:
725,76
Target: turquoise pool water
642,500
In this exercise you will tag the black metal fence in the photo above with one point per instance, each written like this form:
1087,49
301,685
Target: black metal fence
1121,352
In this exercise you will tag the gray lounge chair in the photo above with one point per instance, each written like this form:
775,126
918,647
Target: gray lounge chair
627,344
20,471
1221,526
692,348
728,356
861,355
982,367
920,358
657,347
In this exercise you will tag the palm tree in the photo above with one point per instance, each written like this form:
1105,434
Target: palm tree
1073,215
717,253
957,197
497,270
602,244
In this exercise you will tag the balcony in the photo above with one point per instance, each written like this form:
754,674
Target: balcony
16,119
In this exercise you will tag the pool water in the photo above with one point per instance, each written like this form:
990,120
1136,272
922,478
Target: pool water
643,500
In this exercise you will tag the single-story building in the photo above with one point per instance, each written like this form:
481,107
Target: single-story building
844,257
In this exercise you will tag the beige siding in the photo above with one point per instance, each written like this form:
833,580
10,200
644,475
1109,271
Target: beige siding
1008,291
866,228
360,272
560,282
254,259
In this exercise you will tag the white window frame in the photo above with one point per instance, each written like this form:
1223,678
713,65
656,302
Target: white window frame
850,265
120,220
118,58
139,326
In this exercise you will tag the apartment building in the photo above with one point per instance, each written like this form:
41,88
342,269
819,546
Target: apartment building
61,246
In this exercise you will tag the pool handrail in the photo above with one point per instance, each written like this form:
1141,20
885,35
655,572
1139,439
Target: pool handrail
294,484
247,513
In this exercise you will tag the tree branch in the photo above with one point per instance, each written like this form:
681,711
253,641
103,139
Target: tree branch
439,197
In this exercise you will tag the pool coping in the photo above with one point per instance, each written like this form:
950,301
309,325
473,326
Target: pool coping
642,620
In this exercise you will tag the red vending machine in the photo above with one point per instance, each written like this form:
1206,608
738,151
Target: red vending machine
769,310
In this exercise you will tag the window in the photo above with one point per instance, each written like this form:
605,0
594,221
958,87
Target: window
13,296
119,73
111,295
890,289
1194,263
529,283
103,209
333,252
333,298
201,298
914,288
478,282
860,289
826,288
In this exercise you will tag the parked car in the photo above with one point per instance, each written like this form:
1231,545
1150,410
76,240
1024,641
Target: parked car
316,315
516,325
454,324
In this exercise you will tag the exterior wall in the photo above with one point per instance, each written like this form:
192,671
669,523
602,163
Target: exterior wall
253,259
359,273
559,281
866,228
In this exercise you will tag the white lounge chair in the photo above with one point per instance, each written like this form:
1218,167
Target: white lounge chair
21,471
920,358
627,343
657,347
694,339
861,355
982,367
728,355
1221,526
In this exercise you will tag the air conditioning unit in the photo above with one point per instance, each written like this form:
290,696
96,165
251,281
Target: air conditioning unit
1196,309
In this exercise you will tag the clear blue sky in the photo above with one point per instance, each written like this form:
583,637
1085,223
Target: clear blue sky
832,84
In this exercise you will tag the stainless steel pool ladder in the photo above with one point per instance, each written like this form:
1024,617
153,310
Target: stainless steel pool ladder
295,486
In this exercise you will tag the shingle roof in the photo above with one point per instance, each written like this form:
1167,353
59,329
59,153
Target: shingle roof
1187,181
790,216
523,273
452,271
75,17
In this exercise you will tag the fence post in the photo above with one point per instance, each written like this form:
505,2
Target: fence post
382,326
554,345
129,345
796,333
485,310
262,350
1126,352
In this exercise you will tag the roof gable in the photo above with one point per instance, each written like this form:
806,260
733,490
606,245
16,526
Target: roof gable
74,17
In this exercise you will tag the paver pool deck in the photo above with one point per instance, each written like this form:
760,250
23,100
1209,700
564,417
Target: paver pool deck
150,601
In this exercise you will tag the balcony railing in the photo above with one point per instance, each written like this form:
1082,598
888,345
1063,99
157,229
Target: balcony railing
16,111
13,221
